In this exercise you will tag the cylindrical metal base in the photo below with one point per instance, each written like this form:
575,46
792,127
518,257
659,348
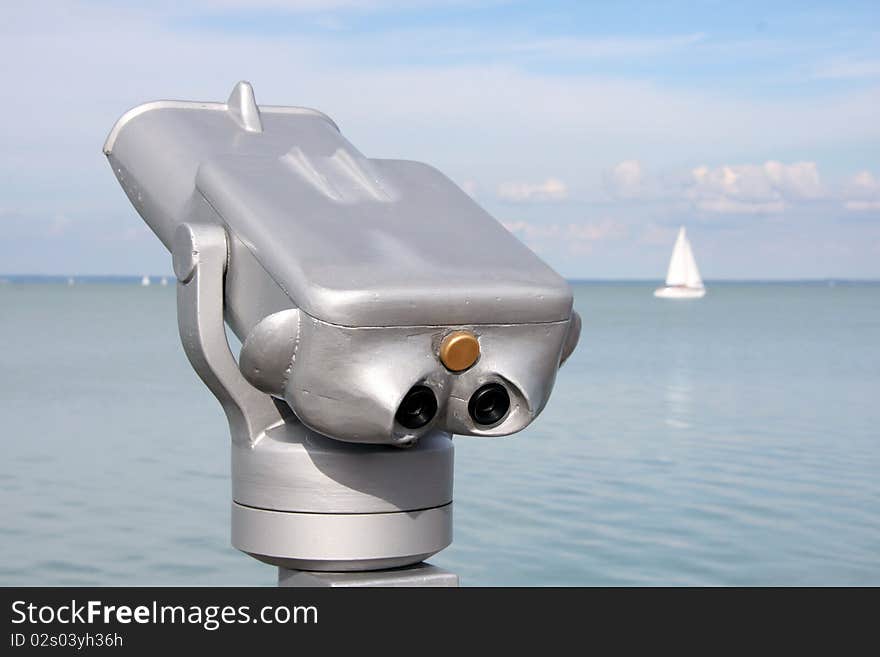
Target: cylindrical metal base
293,469
341,541
306,502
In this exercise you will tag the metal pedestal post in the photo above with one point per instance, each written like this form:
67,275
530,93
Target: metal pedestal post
420,574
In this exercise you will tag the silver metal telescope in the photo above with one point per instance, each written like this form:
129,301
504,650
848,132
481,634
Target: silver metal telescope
379,308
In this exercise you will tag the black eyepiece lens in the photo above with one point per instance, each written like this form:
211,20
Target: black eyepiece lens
489,404
418,408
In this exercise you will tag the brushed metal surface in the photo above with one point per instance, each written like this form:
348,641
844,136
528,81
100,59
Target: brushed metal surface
341,541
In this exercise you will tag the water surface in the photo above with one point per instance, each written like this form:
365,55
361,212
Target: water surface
731,440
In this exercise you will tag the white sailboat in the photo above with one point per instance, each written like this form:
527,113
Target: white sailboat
145,281
683,278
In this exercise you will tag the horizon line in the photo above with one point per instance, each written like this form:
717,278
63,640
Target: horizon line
23,278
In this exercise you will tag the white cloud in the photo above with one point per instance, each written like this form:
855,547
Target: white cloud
573,237
731,206
862,193
866,182
625,180
549,190
484,118
766,188
753,188
606,229
861,206
110,59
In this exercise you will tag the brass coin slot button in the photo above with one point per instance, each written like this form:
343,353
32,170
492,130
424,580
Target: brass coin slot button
459,350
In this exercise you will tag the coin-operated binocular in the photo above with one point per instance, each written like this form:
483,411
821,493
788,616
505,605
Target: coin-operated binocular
381,310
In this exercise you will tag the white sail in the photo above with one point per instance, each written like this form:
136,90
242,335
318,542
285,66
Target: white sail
677,272
145,281
683,279
693,278
682,266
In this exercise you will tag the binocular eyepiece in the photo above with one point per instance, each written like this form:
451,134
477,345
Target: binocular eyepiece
486,407
418,408
489,405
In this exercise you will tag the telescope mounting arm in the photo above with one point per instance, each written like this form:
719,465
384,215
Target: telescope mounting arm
200,254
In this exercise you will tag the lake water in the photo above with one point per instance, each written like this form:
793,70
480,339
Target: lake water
731,440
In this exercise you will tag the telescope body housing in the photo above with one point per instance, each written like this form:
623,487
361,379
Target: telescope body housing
343,276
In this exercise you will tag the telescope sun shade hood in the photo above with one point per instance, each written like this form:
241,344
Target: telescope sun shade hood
350,240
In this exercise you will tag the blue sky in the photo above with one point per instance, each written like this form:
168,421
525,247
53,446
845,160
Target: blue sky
592,131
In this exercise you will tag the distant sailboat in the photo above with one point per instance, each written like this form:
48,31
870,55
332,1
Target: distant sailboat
683,278
164,281
145,281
